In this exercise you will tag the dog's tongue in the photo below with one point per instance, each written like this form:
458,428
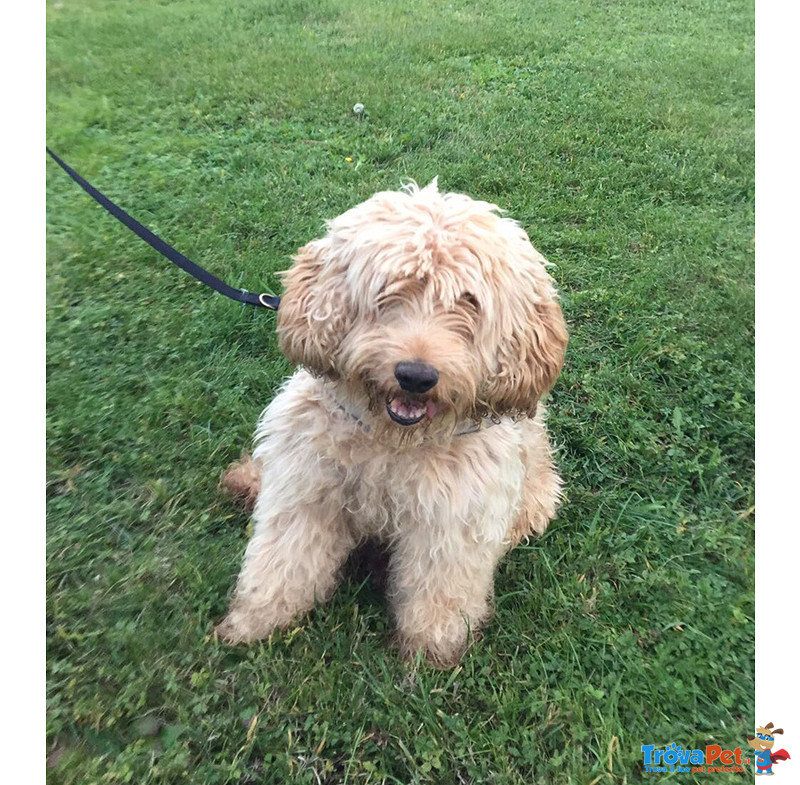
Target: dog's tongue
411,409
432,408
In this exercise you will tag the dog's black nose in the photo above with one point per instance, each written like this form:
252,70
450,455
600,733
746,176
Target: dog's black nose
416,376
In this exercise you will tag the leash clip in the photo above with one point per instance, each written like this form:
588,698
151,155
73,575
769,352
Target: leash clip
267,301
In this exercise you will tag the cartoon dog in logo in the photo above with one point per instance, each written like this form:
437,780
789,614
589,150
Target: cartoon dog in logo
762,743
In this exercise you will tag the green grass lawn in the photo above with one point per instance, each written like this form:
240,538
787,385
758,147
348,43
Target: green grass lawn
621,135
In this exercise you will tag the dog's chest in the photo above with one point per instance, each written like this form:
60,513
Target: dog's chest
383,494
468,484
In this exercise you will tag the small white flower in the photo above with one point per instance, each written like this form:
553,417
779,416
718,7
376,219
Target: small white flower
358,109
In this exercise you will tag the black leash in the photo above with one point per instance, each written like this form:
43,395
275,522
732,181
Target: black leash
154,241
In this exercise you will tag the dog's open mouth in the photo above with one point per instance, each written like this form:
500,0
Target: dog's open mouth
406,411
410,411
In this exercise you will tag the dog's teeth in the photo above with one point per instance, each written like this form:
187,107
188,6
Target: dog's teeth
406,408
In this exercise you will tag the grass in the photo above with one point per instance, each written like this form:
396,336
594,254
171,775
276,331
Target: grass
621,135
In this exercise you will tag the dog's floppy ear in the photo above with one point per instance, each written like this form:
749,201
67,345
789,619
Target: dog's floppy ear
533,336
314,315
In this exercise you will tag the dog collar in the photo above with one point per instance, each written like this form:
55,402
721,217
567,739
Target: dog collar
348,410
472,426
463,428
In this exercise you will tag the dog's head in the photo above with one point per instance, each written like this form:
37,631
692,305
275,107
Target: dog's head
764,738
428,303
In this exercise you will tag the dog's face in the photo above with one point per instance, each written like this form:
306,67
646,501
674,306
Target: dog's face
764,738
760,742
433,305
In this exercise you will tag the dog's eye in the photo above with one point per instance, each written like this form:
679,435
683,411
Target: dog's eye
470,299
385,301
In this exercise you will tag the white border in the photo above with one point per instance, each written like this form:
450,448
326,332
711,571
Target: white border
22,321
777,371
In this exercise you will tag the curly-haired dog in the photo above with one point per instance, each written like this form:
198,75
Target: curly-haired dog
427,330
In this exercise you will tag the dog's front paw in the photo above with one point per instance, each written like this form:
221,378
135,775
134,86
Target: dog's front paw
442,645
239,628
439,653
441,629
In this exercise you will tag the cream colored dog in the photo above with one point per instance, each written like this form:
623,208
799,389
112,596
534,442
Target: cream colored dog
427,331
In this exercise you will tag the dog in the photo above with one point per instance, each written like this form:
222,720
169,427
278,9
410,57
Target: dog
426,329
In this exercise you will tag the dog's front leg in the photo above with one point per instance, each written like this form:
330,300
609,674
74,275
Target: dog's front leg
441,585
300,540
455,527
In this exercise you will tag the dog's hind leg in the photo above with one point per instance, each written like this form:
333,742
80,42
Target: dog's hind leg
541,489
242,481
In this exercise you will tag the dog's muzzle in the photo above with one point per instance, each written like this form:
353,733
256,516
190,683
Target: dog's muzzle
414,377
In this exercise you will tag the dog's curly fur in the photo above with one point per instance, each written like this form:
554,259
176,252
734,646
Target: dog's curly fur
408,276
